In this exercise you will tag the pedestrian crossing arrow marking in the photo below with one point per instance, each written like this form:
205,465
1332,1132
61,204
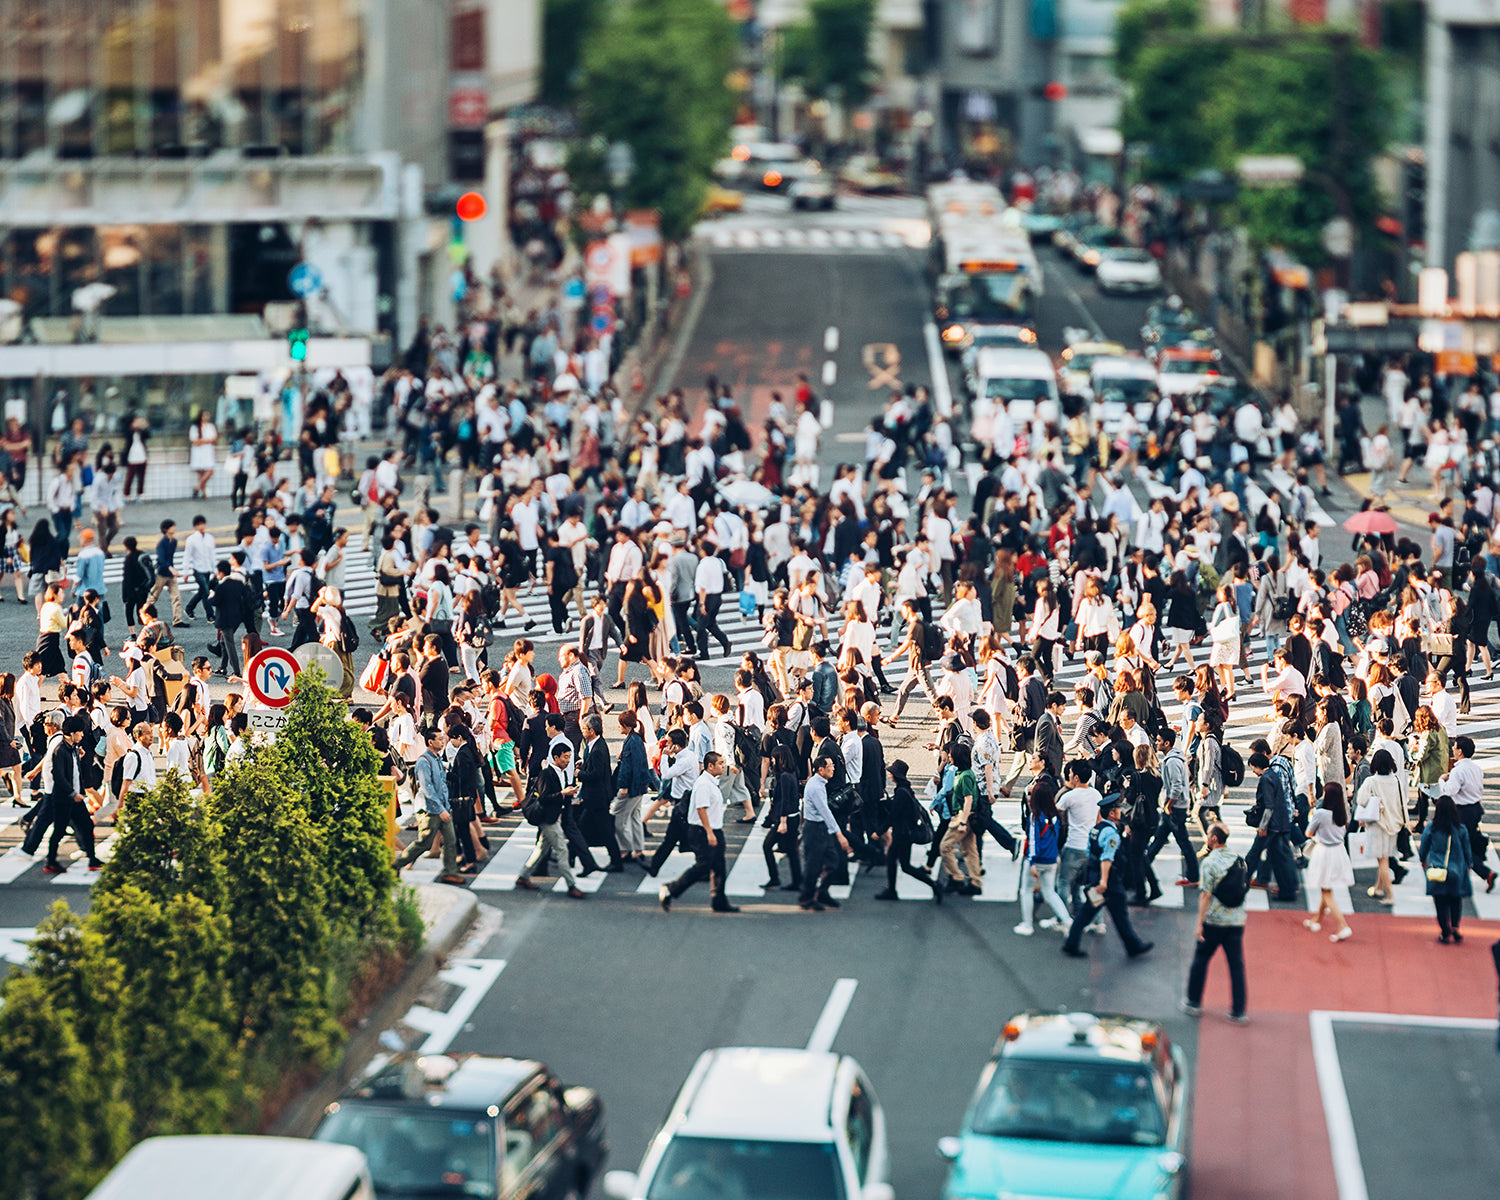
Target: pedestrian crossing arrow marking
15,945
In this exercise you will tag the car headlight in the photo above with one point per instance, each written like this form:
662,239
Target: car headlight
953,334
1091,257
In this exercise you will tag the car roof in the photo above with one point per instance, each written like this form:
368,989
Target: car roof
1205,353
1110,348
1024,360
753,1091
1120,367
1080,1035
470,1082
232,1168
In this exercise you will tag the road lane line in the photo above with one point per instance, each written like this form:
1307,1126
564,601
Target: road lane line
831,340
1348,1171
1077,301
830,373
832,1016
942,394
475,976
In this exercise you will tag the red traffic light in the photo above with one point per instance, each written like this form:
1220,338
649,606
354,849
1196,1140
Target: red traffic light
1055,91
471,206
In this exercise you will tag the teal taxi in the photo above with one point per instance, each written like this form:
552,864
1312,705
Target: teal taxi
1073,1106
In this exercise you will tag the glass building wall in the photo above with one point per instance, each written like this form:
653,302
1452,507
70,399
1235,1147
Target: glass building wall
92,78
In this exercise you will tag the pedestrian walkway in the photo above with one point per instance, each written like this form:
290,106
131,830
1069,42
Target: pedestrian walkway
1250,717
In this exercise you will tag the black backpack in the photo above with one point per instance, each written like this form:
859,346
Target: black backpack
1231,765
1235,886
348,633
117,772
934,642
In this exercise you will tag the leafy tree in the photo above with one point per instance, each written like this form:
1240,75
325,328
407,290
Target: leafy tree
339,771
1143,23
654,77
1203,99
167,843
174,1024
829,51
276,900
566,25
50,1118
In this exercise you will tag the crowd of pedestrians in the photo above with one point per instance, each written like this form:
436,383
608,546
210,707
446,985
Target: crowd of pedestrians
641,529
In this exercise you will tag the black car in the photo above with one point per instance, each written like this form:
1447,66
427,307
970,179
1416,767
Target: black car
471,1125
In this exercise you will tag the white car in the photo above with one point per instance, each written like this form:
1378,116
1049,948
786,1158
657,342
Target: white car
766,1124
1127,269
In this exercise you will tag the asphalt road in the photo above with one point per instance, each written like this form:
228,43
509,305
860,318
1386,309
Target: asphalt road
625,1000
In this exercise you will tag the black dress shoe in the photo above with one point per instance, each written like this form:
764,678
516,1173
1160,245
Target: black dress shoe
1143,948
771,883
726,908
1074,951
828,902
813,907
886,894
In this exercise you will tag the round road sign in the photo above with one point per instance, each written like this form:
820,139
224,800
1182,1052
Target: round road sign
270,675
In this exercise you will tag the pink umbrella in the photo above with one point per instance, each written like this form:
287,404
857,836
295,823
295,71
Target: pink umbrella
1371,521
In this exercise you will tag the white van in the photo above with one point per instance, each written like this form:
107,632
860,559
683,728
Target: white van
237,1168
1022,381
1118,385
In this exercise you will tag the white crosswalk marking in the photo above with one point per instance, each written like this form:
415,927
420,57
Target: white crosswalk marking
506,861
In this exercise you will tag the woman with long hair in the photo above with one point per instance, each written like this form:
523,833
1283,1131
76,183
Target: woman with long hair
51,621
1094,616
468,633
1484,607
10,555
1380,809
1046,632
1182,619
1043,853
1328,865
10,739
1445,856
1003,593
202,441
1224,629
1427,752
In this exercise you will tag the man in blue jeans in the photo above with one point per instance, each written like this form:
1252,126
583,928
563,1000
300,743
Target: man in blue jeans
1106,888
1272,851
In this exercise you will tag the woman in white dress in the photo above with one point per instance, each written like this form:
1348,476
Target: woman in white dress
1380,809
1328,864
1224,628
202,438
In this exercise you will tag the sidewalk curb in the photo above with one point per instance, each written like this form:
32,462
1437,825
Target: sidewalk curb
301,1116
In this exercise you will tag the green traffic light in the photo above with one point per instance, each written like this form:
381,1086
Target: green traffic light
296,341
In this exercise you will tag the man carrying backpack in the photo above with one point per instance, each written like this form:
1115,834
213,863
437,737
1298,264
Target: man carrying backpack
1221,923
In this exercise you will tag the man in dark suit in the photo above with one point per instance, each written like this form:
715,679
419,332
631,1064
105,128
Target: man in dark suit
1049,742
596,789
872,786
231,600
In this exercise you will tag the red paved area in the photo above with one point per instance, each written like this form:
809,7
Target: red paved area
1258,1124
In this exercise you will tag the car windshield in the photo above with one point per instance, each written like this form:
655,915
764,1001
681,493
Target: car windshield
989,297
703,1168
1084,361
1186,366
1098,1102
1130,255
1125,389
1017,389
1009,336
418,1151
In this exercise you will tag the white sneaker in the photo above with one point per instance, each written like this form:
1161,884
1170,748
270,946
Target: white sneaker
1097,927
1023,930
1049,923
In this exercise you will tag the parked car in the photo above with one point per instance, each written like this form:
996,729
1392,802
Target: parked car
471,1125
1073,1106
722,200
1090,243
1127,269
1078,360
810,186
865,173
189,1167
1182,370
766,1124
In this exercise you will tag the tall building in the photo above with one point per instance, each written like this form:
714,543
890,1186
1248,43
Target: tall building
1463,128
186,155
